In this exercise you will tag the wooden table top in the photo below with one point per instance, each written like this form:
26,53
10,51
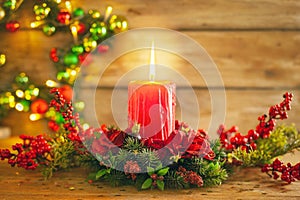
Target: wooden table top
247,183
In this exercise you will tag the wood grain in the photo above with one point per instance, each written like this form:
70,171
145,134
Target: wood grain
244,59
247,183
193,14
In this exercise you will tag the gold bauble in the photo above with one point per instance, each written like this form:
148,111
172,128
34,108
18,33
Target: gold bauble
118,24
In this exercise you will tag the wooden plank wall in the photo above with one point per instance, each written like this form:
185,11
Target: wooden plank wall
255,45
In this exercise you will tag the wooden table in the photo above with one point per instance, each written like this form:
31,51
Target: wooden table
245,183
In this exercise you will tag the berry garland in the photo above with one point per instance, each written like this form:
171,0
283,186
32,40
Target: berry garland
120,158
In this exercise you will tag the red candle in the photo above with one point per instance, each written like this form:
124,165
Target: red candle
151,106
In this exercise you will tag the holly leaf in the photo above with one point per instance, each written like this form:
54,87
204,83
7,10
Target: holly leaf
159,167
160,185
147,184
163,171
150,171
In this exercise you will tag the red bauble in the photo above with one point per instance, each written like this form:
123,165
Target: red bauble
81,28
12,26
39,106
63,17
66,91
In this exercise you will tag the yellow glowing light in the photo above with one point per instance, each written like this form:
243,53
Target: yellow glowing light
107,13
73,73
79,105
35,116
27,96
19,107
68,6
50,113
2,59
74,32
13,4
58,1
11,100
85,126
36,24
94,13
152,64
51,83
35,91
20,93
124,25
47,11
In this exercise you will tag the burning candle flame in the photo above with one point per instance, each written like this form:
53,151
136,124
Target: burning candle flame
152,64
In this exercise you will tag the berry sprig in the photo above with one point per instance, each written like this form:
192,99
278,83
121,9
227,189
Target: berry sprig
190,177
32,153
66,109
71,122
131,168
289,173
232,139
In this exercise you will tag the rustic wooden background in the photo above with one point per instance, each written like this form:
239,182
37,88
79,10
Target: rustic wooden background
255,45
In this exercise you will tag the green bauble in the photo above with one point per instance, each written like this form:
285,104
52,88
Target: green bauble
49,29
22,78
77,49
62,75
7,4
25,104
78,12
71,59
98,29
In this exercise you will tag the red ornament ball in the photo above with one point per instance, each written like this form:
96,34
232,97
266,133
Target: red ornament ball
66,91
12,26
81,28
39,106
63,17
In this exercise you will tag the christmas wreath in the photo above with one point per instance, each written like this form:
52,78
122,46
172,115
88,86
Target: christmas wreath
121,158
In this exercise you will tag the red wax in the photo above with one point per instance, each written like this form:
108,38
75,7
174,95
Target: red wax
151,105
